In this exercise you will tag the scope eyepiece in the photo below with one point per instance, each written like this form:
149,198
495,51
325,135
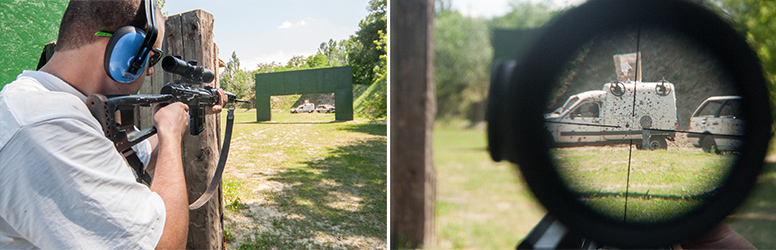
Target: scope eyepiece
189,71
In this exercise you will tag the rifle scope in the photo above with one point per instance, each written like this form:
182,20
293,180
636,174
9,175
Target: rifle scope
188,70
625,162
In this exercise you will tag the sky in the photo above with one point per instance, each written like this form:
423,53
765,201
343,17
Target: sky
263,31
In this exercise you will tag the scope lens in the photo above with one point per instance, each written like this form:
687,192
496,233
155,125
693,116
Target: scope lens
174,65
645,125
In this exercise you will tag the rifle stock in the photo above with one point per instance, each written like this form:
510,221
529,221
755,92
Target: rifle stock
116,113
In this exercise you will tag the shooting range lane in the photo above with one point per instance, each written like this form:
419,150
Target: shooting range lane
627,162
618,145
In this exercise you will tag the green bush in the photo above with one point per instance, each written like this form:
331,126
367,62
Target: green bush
373,103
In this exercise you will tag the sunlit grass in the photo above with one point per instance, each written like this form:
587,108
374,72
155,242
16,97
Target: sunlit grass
303,181
663,184
479,204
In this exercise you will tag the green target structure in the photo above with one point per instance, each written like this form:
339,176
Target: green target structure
337,80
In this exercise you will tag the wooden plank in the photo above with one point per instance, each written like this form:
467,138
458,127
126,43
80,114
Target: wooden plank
190,35
413,108
173,42
192,26
152,85
200,153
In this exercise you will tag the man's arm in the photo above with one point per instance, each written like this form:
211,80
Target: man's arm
154,140
169,181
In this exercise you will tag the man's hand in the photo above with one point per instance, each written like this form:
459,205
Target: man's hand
172,119
172,122
215,109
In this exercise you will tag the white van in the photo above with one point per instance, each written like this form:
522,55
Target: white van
716,124
606,117
307,107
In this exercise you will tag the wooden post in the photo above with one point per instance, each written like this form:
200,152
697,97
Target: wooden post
413,108
151,85
190,35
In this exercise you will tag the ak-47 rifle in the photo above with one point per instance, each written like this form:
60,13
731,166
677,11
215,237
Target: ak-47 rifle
116,114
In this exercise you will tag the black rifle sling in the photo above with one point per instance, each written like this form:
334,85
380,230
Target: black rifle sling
137,165
216,181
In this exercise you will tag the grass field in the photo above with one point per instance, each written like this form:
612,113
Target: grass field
663,184
303,181
486,205
480,204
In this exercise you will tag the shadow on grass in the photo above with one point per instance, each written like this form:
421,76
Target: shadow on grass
755,219
367,128
339,201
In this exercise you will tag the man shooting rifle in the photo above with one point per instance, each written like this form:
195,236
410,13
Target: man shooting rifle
63,184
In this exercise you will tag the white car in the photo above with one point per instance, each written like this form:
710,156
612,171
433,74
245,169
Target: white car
307,107
716,125
325,108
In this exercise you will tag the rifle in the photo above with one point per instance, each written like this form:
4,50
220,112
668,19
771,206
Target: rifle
116,115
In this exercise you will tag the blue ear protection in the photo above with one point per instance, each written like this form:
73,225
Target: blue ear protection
128,50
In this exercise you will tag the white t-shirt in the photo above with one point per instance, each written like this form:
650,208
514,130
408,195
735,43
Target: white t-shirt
63,185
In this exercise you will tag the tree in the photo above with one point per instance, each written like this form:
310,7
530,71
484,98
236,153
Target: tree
462,61
373,103
295,62
756,20
364,55
236,80
523,15
443,6
160,4
233,64
317,61
267,67
463,55
335,52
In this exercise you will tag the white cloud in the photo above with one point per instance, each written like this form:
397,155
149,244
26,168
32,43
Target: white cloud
288,25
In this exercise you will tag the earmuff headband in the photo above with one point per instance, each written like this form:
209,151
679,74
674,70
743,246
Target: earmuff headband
150,36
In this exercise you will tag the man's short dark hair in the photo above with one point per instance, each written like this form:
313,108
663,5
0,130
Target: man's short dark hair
83,18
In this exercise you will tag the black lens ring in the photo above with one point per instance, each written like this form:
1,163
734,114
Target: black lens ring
529,89
501,72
